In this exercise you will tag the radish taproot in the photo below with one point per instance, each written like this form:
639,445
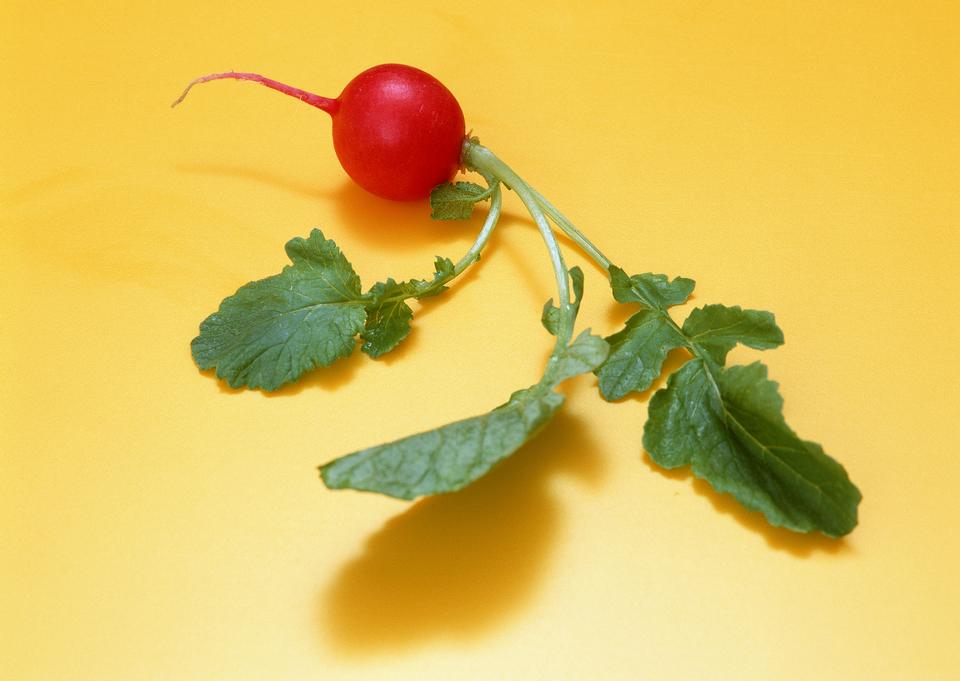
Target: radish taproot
396,129
399,133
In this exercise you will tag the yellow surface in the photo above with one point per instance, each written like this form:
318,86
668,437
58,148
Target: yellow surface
799,157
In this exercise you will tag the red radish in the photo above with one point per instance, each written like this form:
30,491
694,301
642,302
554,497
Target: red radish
396,130
399,133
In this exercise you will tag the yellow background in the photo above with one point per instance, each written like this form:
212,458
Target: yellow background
799,157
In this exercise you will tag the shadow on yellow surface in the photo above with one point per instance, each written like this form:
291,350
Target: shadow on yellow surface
456,565
400,225
795,543
258,175
394,225
42,187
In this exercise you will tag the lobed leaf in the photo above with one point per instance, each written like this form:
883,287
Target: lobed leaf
455,201
388,317
272,331
654,291
637,353
727,424
550,318
444,271
585,354
717,329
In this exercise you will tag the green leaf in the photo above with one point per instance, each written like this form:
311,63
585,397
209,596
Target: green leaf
388,317
584,355
550,318
655,291
455,201
447,458
637,354
728,425
444,271
272,331
717,328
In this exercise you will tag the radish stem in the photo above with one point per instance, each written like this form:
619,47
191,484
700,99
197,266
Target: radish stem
322,103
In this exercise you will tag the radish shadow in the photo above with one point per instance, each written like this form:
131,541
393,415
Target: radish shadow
258,175
392,226
455,566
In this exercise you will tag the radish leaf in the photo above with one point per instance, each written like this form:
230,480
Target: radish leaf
717,328
637,353
447,458
727,424
551,313
585,354
388,317
273,330
455,200
655,291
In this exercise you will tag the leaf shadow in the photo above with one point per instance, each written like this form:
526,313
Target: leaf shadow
454,566
795,543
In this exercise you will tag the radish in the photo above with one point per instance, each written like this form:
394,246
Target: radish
399,133
396,129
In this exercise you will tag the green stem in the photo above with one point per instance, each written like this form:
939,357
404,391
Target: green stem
590,249
472,150
597,255
571,231
493,215
470,257
479,158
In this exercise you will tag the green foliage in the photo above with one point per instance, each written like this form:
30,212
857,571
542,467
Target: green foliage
584,355
716,329
637,353
272,331
455,200
446,458
655,291
551,313
388,317
726,423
